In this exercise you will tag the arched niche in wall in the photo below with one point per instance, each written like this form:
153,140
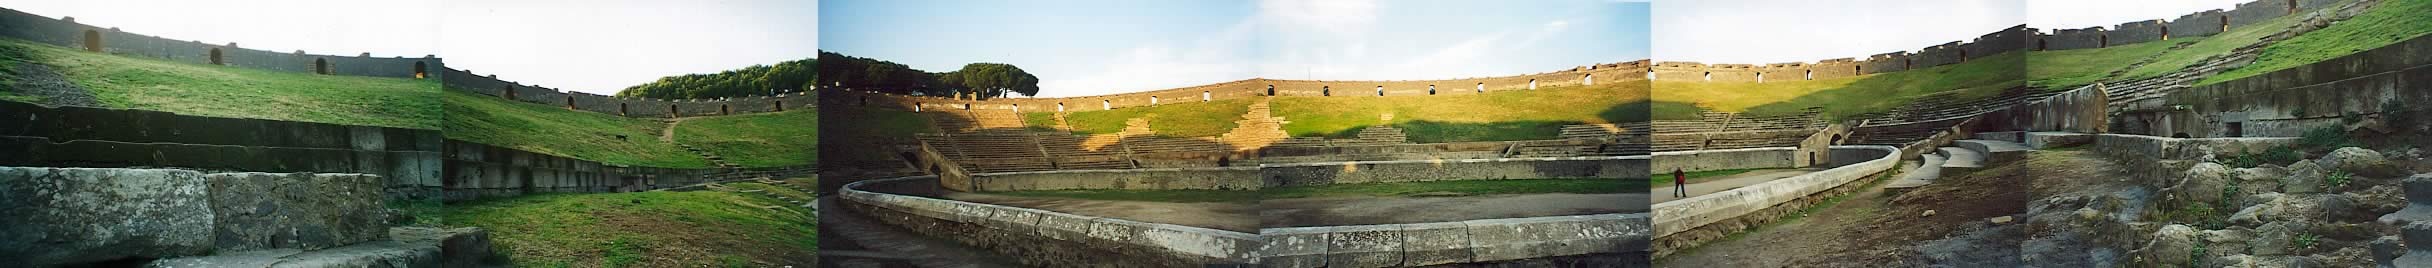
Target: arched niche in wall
1017,107
622,110
1325,91
508,91
1059,107
1380,91
1106,105
1152,100
723,110
1532,84
320,65
671,111
1760,77
570,102
916,106
1481,87
217,58
92,40
1205,96
1431,89
1811,74
1270,90
420,71
1588,79
780,105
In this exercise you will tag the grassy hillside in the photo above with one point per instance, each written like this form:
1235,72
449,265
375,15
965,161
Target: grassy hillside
852,131
1844,97
2388,23
1494,116
2066,69
222,91
646,229
558,131
756,140
1189,119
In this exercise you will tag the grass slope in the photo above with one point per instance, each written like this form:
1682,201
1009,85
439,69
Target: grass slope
756,140
222,91
1848,96
2067,69
558,131
2387,23
1494,116
645,229
852,131
1190,119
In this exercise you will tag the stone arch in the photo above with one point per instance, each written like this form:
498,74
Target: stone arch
570,101
1325,91
623,109
2224,23
671,111
1532,84
92,40
320,65
1204,96
2165,30
1709,76
724,110
1836,139
1963,55
1811,74
1588,79
1380,91
1431,89
966,106
915,106
2106,41
2041,44
1152,100
1059,107
1481,87
509,90
420,71
1106,104
1270,90
1017,107
218,59
1760,77
1857,70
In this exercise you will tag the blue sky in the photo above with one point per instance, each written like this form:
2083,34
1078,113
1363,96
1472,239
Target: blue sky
602,46
1101,47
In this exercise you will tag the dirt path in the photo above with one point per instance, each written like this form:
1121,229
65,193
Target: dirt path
1222,216
1663,193
34,79
1323,211
1874,229
669,134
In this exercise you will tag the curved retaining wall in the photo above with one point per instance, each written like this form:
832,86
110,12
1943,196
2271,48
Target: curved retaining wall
1726,159
476,170
1600,240
1955,52
1251,88
461,80
1697,213
1047,238
1222,178
2288,102
1304,174
32,135
67,32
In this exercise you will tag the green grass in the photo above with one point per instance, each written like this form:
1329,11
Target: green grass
222,91
2208,46
1176,196
1665,179
1190,119
772,189
558,131
2388,23
1494,116
756,140
653,229
1847,96
1468,187
2066,69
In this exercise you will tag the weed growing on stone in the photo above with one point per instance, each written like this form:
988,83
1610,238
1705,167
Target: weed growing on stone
2307,240
2339,178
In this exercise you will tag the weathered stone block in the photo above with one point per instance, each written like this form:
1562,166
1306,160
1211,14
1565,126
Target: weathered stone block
1435,243
2419,202
1364,246
296,210
1066,227
1293,247
2416,233
60,216
2305,177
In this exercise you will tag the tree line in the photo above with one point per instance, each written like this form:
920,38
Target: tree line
757,80
983,80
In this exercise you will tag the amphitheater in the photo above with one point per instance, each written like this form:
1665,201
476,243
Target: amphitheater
960,179
2128,167
99,181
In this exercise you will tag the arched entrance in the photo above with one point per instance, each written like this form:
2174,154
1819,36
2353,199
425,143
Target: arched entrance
722,109
1481,87
217,59
1106,105
1270,90
320,66
509,91
92,40
570,101
420,72
1325,91
621,110
1588,79
1532,84
1380,91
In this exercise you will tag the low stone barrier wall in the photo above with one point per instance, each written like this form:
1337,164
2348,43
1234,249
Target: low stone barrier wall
1224,178
2166,148
33,135
477,171
1717,214
82,215
1051,239
1725,159
1304,174
1620,238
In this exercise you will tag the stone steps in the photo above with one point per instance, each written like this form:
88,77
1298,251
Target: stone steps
1955,157
1920,176
1996,152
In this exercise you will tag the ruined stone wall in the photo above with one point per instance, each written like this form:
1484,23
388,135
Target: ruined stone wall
2257,11
97,137
1047,238
2167,148
62,216
1249,88
2286,103
68,33
1885,63
1614,240
1938,55
490,85
2138,32
1725,159
477,171
2014,38
1736,209
1219,178
2206,23
1599,167
2083,110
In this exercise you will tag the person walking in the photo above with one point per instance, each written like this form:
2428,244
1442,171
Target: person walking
1680,184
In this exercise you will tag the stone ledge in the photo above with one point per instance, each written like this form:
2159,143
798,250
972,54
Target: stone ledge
1681,215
